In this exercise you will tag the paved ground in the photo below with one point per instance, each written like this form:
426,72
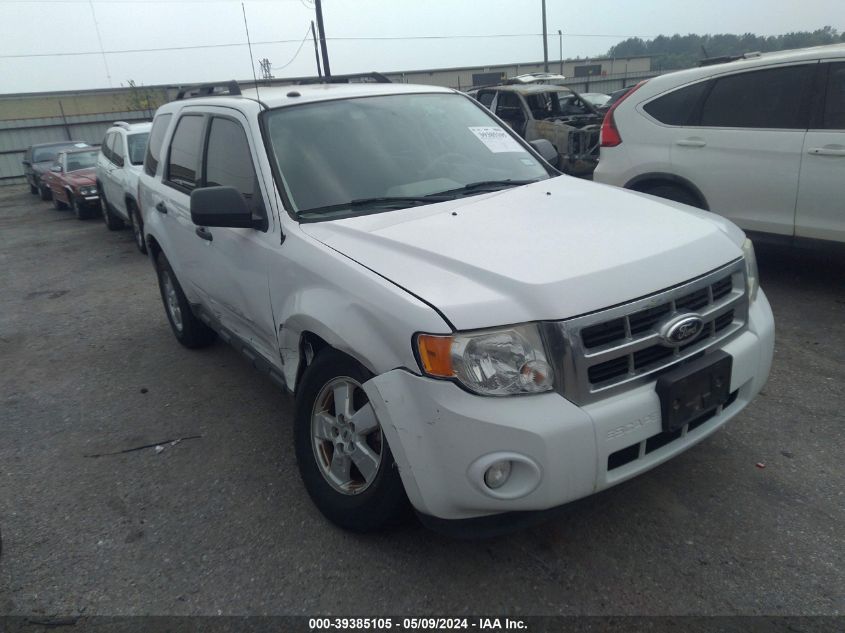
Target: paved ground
221,524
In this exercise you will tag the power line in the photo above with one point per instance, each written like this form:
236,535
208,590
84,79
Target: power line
301,44
336,39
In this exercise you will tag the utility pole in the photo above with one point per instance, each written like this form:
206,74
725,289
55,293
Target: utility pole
545,41
560,39
322,29
316,50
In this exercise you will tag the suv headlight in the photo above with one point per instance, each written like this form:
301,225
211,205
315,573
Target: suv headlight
500,362
751,273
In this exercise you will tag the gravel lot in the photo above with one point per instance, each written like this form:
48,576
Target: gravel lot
221,524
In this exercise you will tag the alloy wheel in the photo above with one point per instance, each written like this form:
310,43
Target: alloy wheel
346,436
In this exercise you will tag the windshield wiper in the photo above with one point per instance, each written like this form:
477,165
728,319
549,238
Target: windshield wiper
485,185
377,202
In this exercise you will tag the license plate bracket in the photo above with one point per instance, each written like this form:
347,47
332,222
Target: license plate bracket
694,388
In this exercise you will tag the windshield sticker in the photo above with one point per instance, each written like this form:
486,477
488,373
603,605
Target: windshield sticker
496,139
80,145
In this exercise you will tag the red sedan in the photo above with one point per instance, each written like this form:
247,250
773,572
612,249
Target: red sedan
72,181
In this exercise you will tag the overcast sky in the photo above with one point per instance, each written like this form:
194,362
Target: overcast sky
63,27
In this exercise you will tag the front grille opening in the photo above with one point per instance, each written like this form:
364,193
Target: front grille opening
724,320
722,288
661,439
650,355
644,320
622,457
631,453
603,333
693,301
608,370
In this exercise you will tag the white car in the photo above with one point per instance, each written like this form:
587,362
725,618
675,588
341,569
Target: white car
760,140
461,326
118,166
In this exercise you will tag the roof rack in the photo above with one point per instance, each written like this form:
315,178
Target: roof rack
724,59
362,78
207,90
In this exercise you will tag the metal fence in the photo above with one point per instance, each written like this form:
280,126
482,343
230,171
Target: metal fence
18,134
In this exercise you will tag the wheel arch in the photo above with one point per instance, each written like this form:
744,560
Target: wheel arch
643,181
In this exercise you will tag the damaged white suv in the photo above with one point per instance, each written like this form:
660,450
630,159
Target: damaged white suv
462,327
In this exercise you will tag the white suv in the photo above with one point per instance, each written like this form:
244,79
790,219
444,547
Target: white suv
118,166
462,327
760,140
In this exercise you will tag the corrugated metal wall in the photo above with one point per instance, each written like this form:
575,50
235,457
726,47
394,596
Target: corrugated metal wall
18,134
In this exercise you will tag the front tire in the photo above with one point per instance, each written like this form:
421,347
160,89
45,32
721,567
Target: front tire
78,210
112,222
137,226
342,453
44,192
187,328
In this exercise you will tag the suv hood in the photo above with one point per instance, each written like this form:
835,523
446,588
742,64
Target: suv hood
551,250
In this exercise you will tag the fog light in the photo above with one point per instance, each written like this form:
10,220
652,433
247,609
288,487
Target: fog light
497,475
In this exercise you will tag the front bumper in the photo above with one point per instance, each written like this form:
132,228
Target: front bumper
443,437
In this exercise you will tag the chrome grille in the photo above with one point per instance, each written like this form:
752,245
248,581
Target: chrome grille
614,349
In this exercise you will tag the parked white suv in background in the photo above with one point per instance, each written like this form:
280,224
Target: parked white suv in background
760,140
118,167
462,327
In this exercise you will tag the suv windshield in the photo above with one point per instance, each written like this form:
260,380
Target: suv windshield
336,157
137,146
81,160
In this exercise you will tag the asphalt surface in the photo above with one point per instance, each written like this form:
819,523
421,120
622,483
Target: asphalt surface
221,524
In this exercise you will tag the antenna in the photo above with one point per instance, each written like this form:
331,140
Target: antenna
249,43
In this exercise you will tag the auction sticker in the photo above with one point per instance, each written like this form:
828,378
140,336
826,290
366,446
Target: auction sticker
496,139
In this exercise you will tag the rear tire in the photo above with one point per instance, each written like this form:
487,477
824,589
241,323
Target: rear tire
361,499
675,193
137,224
112,222
33,190
187,328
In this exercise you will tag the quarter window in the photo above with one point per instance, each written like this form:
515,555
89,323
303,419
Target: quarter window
485,98
677,107
105,147
154,146
184,154
762,99
834,104
117,149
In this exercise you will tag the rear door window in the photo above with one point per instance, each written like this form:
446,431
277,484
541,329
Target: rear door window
677,107
154,145
834,103
116,148
184,154
762,99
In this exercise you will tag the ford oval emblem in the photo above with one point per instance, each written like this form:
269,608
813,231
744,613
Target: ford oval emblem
681,329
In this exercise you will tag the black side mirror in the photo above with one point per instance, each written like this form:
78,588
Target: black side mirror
545,149
221,206
56,168
27,163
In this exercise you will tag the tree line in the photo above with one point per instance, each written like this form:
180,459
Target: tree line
684,51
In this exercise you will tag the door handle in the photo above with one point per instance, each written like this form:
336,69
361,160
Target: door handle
691,142
827,151
161,207
204,233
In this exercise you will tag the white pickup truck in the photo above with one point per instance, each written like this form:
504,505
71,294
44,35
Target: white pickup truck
462,327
